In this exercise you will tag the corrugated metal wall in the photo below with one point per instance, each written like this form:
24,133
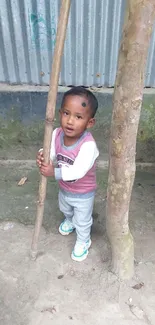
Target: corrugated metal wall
27,38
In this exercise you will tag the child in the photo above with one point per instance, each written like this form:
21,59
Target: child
75,150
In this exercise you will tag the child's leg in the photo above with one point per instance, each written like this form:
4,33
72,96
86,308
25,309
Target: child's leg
82,221
65,207
66,226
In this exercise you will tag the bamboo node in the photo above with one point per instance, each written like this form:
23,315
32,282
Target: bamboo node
49,120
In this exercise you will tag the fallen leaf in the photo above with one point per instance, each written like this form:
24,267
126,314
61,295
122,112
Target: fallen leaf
22,181
138,286
51,310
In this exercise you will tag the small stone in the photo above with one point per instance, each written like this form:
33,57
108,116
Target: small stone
8,226
72,273
138,312
65,288
60,276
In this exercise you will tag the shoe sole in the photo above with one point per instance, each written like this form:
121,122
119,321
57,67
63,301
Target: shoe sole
83,257
65,233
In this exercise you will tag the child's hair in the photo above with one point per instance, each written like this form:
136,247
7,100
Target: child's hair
83,92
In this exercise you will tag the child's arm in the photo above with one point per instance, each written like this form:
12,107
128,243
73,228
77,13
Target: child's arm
82,164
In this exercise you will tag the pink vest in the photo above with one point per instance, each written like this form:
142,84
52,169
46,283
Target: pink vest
66,156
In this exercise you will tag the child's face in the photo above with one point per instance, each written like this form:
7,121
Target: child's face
75,116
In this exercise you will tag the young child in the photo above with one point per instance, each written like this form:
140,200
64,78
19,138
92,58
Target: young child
75,151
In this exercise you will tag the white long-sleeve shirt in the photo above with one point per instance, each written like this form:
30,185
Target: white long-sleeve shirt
83,162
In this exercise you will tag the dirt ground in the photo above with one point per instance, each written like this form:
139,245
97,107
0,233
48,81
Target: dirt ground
56,290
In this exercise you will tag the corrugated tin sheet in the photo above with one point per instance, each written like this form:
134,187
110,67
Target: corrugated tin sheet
28,31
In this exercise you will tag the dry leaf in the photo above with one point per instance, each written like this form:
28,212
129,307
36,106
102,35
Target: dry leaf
138,286
22,181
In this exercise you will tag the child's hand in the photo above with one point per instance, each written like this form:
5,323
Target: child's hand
39,158
47,169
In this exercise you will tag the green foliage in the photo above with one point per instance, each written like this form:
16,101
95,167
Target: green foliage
147,124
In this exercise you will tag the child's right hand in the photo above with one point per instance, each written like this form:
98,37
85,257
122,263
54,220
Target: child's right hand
39,158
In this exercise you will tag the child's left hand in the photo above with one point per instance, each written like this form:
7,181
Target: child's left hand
47,169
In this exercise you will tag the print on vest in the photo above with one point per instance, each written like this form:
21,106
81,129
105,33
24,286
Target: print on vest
63,160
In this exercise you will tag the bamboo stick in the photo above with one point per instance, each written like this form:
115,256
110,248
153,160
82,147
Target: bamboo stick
50,113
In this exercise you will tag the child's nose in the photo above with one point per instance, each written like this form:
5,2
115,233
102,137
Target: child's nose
70,119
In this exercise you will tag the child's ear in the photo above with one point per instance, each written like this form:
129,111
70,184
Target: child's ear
91,123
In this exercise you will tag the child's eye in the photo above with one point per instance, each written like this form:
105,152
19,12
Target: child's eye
79,117
65,113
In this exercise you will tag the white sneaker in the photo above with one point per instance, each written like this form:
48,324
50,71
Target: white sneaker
66,227
80,251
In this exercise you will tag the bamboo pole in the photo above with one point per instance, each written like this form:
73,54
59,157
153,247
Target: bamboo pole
50,112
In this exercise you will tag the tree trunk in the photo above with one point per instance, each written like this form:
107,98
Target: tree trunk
127,102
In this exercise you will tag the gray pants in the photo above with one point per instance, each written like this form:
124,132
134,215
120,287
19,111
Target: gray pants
79,212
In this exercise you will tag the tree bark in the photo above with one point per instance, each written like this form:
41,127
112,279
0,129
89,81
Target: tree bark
127,100
50,112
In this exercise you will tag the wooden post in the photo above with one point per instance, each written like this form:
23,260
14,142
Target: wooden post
50,113
128,93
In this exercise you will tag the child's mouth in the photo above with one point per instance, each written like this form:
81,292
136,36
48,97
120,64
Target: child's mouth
69,130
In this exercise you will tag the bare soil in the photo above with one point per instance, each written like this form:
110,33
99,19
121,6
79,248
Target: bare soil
56,290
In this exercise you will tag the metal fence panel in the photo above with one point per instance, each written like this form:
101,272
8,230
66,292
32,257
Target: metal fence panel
28,33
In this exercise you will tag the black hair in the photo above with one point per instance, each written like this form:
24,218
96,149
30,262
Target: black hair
83,92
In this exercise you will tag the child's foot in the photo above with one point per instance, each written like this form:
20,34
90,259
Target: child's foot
81,251
66,227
